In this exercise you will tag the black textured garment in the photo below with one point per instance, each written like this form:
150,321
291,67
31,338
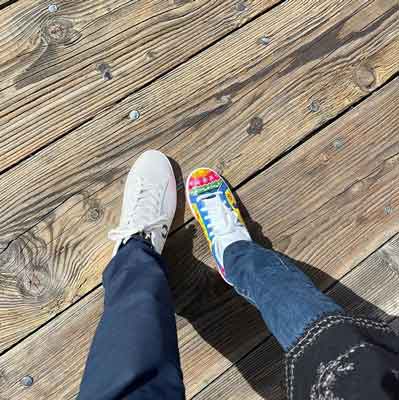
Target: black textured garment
344,358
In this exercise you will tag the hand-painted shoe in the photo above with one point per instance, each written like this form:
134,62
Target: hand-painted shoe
215,208
149,201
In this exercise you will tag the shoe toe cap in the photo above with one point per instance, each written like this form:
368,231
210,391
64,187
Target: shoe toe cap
201,177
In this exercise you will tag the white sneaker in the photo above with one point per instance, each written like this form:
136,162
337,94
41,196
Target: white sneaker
149,201
215,208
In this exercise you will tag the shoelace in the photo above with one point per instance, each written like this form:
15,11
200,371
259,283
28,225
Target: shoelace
223,220
143,217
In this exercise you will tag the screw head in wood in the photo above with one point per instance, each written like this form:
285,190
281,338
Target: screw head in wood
27,381
314,106
242,6
255,126
388,210
134,115
52,8
264,40
105,71
338,144
225,99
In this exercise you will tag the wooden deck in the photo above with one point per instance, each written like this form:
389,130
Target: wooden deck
295,102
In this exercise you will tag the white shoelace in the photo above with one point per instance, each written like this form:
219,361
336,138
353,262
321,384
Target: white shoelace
144,216
223,220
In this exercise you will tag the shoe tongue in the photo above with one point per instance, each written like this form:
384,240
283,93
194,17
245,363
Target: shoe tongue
221,215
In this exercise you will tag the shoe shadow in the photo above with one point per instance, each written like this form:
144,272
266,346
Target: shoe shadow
225,320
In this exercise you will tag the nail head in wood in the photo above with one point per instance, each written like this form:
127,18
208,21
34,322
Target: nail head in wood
52,8
27,381
255,126
264,40
105,71
314,106
388,210
242,6
134,115
338,144
225,99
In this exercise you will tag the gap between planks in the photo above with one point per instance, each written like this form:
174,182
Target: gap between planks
360,209
50,244
51,83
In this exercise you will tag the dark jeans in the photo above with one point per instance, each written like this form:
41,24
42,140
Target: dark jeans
134,354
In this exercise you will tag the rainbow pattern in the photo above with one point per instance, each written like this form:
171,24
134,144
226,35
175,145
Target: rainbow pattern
207,181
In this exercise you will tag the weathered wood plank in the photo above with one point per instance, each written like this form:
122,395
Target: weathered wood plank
223,91
346,234
54,264
51,81
371,289
3,2
350,219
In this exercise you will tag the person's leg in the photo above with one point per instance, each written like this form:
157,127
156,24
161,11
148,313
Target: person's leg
286,297
134,354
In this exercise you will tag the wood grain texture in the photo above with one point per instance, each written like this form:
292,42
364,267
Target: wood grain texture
353,225
62,258
213,100
371,289
3,2
51,82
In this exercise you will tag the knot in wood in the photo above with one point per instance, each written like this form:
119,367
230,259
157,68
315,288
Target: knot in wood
10,257
59,31
94,214
150,55
324,158
365,77
34,281
255,126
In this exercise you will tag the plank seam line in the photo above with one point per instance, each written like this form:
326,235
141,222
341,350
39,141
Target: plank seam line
8,3
252,176
88,121
318,130
371,173
107,108
89,49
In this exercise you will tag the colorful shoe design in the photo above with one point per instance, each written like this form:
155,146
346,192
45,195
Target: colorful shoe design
215,208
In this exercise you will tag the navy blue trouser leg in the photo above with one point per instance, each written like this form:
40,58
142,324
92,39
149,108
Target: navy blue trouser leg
287,299
134,354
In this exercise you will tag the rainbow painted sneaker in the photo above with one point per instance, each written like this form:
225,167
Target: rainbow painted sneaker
215,208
